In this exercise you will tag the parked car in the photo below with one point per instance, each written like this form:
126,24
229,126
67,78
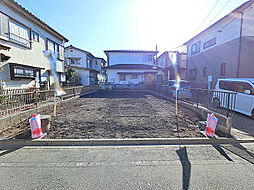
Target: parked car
184,89
244,89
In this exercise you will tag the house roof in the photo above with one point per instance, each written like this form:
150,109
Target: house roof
87,52
28,15
167,53
129,51
131,66
138,73
237,10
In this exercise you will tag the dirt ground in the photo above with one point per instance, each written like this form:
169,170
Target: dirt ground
121,115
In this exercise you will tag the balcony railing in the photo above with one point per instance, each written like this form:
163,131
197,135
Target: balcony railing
20,40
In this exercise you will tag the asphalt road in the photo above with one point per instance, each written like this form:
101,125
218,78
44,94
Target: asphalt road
128,167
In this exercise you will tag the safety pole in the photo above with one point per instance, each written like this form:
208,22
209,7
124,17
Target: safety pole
55,105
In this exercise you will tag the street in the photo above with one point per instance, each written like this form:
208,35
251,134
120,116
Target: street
225,166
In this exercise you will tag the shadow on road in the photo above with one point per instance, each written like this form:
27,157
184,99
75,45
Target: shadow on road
7,150
222,152
186,167
240,151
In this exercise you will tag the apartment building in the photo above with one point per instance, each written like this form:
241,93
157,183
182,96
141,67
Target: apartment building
224,49
23,39
86,64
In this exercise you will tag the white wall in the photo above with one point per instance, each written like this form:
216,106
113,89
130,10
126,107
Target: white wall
76,54
248,22
84,75
128,58
80,54
98,68
113,77
25,56
33,56
226,31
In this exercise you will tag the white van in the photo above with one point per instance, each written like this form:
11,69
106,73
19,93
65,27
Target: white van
244,89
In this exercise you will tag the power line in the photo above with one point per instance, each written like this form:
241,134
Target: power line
206,17
219,12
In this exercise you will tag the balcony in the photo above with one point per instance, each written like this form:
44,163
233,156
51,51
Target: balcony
20,40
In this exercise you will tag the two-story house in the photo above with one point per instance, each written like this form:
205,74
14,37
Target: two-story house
224,49
169,63
130,66
24,38
87,65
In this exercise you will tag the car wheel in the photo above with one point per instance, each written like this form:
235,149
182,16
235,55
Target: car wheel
216,102
252,114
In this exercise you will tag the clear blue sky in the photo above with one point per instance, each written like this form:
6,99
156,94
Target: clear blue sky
98,25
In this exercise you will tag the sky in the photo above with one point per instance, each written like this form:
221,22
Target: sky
98,25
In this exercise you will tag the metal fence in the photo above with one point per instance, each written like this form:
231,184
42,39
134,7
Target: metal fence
217,101
21,99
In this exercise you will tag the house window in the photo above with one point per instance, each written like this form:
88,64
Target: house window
19,34
4,28
204,71
122,77
23,72
74,61
195,48
35,36
134,76
89,63
148,57
209,43
193,74
96,63
223,69
54,47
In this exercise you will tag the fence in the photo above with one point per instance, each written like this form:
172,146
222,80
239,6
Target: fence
22,99
217,101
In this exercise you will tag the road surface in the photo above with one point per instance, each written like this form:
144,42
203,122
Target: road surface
128,167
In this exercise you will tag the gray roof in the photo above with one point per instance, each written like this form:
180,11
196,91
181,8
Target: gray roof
131,66
130,51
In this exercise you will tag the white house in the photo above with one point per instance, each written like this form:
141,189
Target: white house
130,66
23,38
87,65
224,49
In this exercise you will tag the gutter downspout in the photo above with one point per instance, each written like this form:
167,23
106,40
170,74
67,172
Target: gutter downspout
240,46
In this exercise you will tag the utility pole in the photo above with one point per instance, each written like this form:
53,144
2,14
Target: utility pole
240,46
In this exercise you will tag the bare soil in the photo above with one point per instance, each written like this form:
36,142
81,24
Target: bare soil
122,115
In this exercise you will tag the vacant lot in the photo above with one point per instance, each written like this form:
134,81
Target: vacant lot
122,115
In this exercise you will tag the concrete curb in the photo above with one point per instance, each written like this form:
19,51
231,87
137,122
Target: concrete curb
118,142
